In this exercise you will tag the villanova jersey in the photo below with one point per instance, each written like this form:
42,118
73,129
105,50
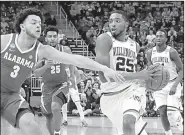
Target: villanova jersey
164,58
56,74
123,57
16,65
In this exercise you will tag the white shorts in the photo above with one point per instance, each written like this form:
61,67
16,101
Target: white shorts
161,97
74,94
115,106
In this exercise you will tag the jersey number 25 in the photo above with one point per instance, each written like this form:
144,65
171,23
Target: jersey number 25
125,64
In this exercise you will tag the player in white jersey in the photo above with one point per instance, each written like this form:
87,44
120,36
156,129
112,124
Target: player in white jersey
73,92
121,103
169,58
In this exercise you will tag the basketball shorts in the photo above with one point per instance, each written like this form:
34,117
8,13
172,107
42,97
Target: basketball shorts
116,106
11,104
74,94
161,97
46,99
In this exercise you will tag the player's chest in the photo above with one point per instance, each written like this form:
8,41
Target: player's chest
25,60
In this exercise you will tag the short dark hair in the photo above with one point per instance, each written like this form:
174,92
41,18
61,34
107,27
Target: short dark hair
124,15
164,31
23,14
50,28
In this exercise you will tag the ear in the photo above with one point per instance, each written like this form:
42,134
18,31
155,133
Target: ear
22,27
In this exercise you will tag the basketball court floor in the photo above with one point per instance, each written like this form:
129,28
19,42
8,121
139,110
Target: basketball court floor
96,126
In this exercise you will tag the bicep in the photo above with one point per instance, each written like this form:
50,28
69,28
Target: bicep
176,59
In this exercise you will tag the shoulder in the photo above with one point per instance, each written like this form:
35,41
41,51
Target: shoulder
173,53
5,39
104,40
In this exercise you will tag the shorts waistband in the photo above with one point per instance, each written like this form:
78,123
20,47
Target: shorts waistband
114,93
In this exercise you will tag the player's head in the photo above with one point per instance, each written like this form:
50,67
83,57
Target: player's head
51,35
118,23
28,21
161,37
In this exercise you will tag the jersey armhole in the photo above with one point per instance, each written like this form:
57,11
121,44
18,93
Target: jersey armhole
10,40
36,55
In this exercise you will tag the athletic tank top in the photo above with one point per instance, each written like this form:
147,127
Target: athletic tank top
123,57
16,65
56,74
164,59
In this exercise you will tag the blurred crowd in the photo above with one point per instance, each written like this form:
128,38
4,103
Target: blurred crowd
91,19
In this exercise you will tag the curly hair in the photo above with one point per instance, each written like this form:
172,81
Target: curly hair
23,15
50,28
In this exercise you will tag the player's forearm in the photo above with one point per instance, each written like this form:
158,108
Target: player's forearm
40,71
132,76
79,61
179,78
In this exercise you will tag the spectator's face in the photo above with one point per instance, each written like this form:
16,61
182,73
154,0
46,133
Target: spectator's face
151,32
52,38
172,29
32,26
82,84
117,24
182,29
160,38
173,22
89,83
96,86
87,13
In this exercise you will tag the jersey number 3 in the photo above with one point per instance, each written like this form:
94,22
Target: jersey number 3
125,64
16,69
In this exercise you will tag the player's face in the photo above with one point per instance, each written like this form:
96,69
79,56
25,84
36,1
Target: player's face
160,38
52,38
117,24
32,26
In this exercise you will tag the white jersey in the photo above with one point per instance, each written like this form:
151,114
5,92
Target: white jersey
164,58
123,57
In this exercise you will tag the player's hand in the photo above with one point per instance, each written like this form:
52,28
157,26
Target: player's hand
173,90
49,63
149,74
116,76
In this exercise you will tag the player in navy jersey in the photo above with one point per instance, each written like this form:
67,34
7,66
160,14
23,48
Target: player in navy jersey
19,53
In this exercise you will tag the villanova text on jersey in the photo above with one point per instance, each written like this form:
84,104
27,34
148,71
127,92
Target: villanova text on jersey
160,59
122,51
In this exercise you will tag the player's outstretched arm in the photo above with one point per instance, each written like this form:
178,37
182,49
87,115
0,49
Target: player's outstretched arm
51,53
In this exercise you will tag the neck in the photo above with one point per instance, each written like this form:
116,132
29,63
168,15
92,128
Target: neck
25,41
122,37
161,48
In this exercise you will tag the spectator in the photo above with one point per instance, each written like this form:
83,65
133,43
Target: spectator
4,24
180,35
96,104
175,26
181,21
51,21
96,88
151,37
172,33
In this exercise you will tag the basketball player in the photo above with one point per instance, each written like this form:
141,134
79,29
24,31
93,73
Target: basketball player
73,92
121,102
169,58
19,53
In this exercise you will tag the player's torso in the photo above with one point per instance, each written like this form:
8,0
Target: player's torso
122,58
16,65
164,59
56,74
